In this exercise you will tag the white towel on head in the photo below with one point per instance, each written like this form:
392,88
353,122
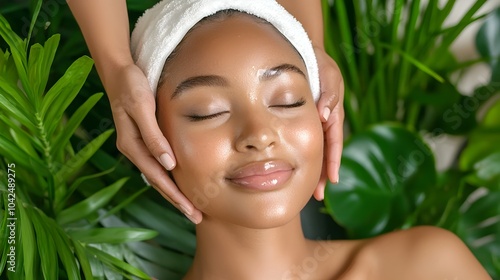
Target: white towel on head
161,28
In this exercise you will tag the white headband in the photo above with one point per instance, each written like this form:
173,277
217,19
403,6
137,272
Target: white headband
161,28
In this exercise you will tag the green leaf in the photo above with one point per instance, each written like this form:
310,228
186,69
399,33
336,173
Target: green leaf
451,33
28,239
112,235
7,88
421,66
155,270
90,205
169,229
168,259
46,246
63,246
74,164
488,40
352,73
19,273
63,139
64,91
481,144
4,233
408,45
36,11
83,260
484,140
492,117
460,117
112,261
20,130
74,186
34,60
445,12
16,112
121,205
385,174
12,152
17,48
430,13
487,172
39,63
8,68
111,272
479,227
23,142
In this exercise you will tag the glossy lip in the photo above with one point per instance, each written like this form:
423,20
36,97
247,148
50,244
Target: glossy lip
262,175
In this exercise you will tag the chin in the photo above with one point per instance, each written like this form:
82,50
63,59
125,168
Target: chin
275,219
265,211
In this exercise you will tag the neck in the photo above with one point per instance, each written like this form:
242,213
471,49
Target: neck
228,251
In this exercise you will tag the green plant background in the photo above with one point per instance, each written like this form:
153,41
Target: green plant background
83,211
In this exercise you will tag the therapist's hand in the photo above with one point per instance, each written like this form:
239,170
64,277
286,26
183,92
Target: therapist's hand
331,110
140,139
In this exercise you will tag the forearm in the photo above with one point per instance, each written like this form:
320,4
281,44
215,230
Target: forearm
308,12
105,27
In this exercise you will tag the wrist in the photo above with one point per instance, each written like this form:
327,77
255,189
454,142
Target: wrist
108,67
319,46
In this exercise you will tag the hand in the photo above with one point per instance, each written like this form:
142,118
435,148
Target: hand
331,111
140,139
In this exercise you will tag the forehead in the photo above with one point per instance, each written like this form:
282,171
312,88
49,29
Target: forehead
233,38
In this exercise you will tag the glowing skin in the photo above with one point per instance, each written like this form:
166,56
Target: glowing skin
244,127
236,108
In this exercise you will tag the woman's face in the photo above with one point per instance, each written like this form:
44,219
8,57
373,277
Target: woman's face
236,107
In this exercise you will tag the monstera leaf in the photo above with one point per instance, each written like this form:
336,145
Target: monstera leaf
479,227
384,176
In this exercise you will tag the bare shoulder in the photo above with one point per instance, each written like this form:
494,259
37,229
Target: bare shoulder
419,253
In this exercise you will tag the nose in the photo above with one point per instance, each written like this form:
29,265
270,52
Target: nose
256,131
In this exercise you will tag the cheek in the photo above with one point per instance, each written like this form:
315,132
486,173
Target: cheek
305,135
305,141
200,164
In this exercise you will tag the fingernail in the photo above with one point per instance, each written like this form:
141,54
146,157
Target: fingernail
326,114
145,179
191,219
167,161
336,179
185,210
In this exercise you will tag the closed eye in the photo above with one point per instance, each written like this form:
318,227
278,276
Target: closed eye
197,118
299,103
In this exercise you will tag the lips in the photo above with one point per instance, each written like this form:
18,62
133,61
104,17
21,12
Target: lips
262,175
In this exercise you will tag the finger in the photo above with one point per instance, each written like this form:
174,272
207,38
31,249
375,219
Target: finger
332,88
144,116
319,192
334,143
330,98
159,179
137,152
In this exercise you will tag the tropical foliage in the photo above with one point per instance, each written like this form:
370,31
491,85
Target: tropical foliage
399,88
60,218
83,212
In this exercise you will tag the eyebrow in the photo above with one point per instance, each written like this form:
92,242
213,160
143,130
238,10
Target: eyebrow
280,69
219,81
198,81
